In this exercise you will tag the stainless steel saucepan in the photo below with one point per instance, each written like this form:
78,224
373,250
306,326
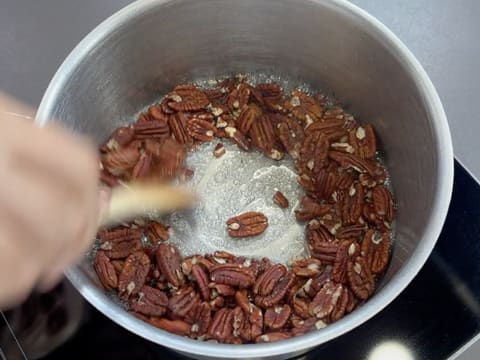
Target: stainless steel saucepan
142,51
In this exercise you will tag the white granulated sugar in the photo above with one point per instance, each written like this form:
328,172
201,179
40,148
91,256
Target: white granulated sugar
232,184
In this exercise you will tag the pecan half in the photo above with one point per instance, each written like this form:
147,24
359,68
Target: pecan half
169,263
324,302
291,135
177,327
178,125
376,250
202,320
119,234
255,319
249,115
267,280
277,293
277,316
133,275
269,90
382,202
280,199
150,301
201,130
250,223
314,152
182,301
363,141
332,130
350,204
231,274
325,181
221,327
323,250
219,150
347,251
360,278
306,267
238,97
314,284
340,308
337,113
187,98
263,137
352,301
105,271
152,129
239,322
252,319
303,326
202,281
304,107
157,231
352,161
301,308
217,97
315,232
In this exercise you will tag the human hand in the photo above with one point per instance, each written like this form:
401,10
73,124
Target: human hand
49,204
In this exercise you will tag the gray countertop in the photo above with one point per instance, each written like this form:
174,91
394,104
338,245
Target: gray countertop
35,37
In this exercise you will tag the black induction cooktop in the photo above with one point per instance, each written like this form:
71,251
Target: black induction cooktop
437,314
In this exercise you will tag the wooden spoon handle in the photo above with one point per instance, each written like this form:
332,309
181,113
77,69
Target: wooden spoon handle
136,199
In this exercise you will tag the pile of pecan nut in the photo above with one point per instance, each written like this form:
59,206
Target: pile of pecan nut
347,211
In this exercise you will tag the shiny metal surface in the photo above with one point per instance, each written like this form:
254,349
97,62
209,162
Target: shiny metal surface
140,52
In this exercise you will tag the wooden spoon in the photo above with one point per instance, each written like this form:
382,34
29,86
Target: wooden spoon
136,199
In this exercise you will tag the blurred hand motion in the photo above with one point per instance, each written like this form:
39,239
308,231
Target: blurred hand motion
49,202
